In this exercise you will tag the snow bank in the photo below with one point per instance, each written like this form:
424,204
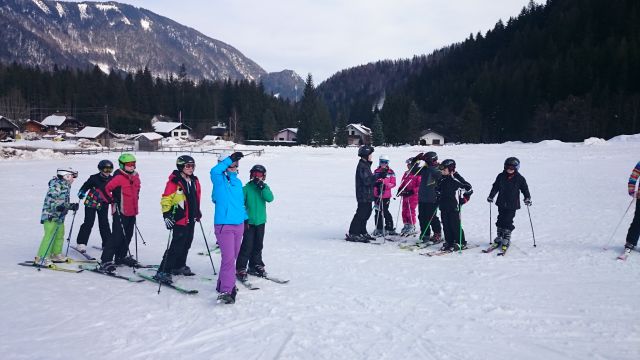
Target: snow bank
625,138
11,153
594,141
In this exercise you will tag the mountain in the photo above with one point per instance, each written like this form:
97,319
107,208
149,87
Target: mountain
116,36
285,84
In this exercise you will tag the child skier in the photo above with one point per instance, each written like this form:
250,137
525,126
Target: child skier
430,176
634,229
95,202
123,191
55,208
364,196
410,185
508,185
386,180
450,203
180,204
256,196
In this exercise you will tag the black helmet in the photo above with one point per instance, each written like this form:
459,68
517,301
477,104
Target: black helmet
365,150
258,168
447,164
105,164
512,161
183,160
431,157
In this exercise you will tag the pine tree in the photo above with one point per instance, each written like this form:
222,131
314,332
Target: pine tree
378,131
342,137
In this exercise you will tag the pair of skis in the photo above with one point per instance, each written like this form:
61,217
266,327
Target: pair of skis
250,286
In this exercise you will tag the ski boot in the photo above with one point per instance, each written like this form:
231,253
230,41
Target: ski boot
228,297
391,232
377,233
506,240
459,247
435,239
185,270
448,248
59,258
353,237
108,267
258,270
163,277
39,261
411,230
128,261
82,248
242,275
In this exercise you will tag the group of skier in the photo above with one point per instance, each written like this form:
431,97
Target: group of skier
240,212
430,186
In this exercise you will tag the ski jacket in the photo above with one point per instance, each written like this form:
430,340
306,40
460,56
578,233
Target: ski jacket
508,187
56,202
182,198
633,179
429,178
93,191
364,181
447,189
255,200
388,183
124,190
410,183
229,198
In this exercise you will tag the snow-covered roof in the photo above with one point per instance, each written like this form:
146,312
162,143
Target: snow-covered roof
10,122
165,127
211,137
429,131
151,136
293,130
54,120
361,128
90,132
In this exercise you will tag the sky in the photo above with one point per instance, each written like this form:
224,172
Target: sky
322,37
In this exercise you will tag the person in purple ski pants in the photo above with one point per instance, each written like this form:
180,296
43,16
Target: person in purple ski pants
229,218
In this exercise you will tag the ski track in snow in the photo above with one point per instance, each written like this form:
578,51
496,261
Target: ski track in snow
565,299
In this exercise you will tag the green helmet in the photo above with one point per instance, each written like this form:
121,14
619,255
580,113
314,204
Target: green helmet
126,158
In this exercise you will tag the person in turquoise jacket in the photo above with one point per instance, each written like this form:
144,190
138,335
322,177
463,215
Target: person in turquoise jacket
229,218
256,196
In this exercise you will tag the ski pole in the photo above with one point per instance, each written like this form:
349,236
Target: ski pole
208,251
619,222
428,224
135,233
399,207
408,182
49,246
530,222
490,227
164,260
140,233
73,219
460,220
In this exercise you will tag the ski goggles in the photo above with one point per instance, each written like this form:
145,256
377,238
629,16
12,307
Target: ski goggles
510,167
189,166
107,169
131,163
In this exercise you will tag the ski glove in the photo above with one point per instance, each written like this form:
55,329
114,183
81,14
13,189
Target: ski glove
74,206
259,183
81,194
463,199
527,201
168,220
61,208
236,156
490,199
407,192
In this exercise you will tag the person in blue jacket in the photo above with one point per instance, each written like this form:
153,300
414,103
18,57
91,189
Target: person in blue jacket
229,217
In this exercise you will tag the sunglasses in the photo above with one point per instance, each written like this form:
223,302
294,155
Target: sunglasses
132,164
189,166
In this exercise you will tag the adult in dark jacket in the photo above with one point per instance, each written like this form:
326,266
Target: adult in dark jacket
508,185
95,202
450,203
427,199
364,195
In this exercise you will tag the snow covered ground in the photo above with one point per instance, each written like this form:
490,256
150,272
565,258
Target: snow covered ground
565,299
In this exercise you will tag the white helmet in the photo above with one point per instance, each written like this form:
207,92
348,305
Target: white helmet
223,155
67,171
384,158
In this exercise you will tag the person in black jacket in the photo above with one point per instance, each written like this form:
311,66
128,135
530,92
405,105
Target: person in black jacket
508,185
427,199
95,202
364,195
450,203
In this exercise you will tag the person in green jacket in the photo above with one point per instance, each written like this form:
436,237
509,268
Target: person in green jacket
256,196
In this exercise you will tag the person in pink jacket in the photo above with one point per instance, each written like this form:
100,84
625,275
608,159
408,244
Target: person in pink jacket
408,188
386,180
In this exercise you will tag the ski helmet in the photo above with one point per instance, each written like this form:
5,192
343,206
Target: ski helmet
223,155
183,160
365,150
447,164
105,164
512,161
384,158
409,160
258,169
431,157
126,158
66,171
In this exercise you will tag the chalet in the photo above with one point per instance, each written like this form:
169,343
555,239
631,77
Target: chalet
219,130
174,130
35,127
358,134
148,141
8,128
430,137
288,134
97,134
58,122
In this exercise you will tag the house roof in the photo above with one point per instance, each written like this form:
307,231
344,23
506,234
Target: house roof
91,132
211,137
363,129
54,120
166,127
10,122
425,132
293,130
151,136
219,126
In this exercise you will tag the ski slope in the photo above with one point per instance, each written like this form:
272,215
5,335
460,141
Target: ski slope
565,299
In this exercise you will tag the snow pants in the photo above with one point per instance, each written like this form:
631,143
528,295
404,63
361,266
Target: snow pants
382,210
359,222
87,225
53,232
453,232
251,249
428,218
121,234
634,228
409,205
176,256
229,239
505,218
